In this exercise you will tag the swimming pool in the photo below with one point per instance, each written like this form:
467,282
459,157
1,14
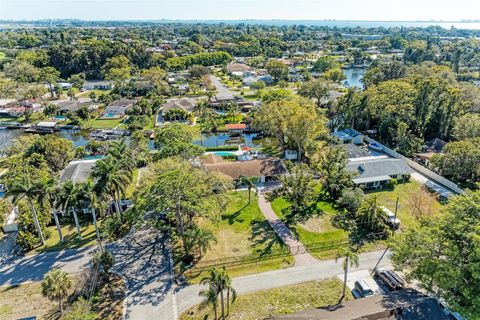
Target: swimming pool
224,154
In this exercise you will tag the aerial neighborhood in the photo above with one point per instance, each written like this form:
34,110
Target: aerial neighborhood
166,170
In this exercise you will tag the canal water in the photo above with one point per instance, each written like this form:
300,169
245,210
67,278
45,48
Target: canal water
221,139
354,77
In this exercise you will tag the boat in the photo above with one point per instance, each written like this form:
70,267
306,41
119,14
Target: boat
375,146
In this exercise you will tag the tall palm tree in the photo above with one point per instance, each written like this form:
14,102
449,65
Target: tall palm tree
69,194
112,179
214,283
220,281
230,290
24,188
89,195
211,297
250,183
51,193
55,286
204,238
350,259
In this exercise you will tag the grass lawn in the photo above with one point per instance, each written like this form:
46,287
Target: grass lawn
404,192
316,227
103,123
70,238
275,302
243,231
86,94
131,187
24,300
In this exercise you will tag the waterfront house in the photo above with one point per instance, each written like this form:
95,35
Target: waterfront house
117,109
265,169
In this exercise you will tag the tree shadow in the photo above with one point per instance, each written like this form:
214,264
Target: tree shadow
264,237
233,217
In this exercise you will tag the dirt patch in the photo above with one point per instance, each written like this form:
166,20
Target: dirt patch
319,224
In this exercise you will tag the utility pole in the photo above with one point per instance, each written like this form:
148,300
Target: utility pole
395,219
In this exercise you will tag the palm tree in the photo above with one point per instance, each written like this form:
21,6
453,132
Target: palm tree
89,194
51,193
113,179
55,286
219,281
230,290
24,188
69,194
213,280
211,297
204,238
350,259
250,183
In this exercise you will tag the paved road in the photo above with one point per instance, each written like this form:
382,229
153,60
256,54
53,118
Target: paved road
7,246
33,268
223,93
143,260
319,270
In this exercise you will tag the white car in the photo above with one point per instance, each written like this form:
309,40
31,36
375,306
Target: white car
392,220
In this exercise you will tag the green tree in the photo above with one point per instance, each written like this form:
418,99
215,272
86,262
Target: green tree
325,63
176,140
294,123
77,80
467,127
24,188
316,89
298,187
211,298
50,75
371,217
351,199
278,70
103,260
55,286
51,110
350,259
250,183
335,75
442,253
257,86
69,194
80,310
331,163
88,194
117,69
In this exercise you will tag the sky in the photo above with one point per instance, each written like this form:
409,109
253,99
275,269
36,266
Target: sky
379,10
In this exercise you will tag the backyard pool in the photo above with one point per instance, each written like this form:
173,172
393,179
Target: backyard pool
224,154
251,140
110,115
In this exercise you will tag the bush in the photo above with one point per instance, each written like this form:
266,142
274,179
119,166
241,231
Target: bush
391,184
351,199
223,148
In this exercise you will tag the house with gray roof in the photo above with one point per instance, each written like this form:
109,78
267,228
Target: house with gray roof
78,171
374,171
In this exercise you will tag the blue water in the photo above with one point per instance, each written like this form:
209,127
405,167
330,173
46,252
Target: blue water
224,154
210,140
354,77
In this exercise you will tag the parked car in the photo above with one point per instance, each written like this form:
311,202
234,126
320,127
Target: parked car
391,219
363,289
181,280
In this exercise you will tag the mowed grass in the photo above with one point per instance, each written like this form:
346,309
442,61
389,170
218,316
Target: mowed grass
275,302
70,238
404,192
24,300
243,231
86,94
103,123
316,227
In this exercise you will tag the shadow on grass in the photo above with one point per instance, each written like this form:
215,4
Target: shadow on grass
264,237
233,217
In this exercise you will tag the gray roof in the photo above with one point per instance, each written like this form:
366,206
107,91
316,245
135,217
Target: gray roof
78,171
120,106
183,104
73,105
375,169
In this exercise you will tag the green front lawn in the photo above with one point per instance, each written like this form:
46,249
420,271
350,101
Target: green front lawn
313,227
275,302
86,94
103,123
243,231
405,193
70,238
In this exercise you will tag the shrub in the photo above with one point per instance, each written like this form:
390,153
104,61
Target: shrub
391,184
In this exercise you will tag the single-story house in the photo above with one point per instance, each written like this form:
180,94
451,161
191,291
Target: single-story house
373,172
348,136
97,85
117,109
186,104
68,105
236,68
78,171
264,170
431,148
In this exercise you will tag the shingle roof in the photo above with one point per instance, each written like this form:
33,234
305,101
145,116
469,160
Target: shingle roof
183,104
78,171
371,168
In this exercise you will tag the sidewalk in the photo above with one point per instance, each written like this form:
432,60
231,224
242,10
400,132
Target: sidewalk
299,252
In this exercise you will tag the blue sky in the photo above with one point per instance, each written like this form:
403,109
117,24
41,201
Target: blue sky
405,10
